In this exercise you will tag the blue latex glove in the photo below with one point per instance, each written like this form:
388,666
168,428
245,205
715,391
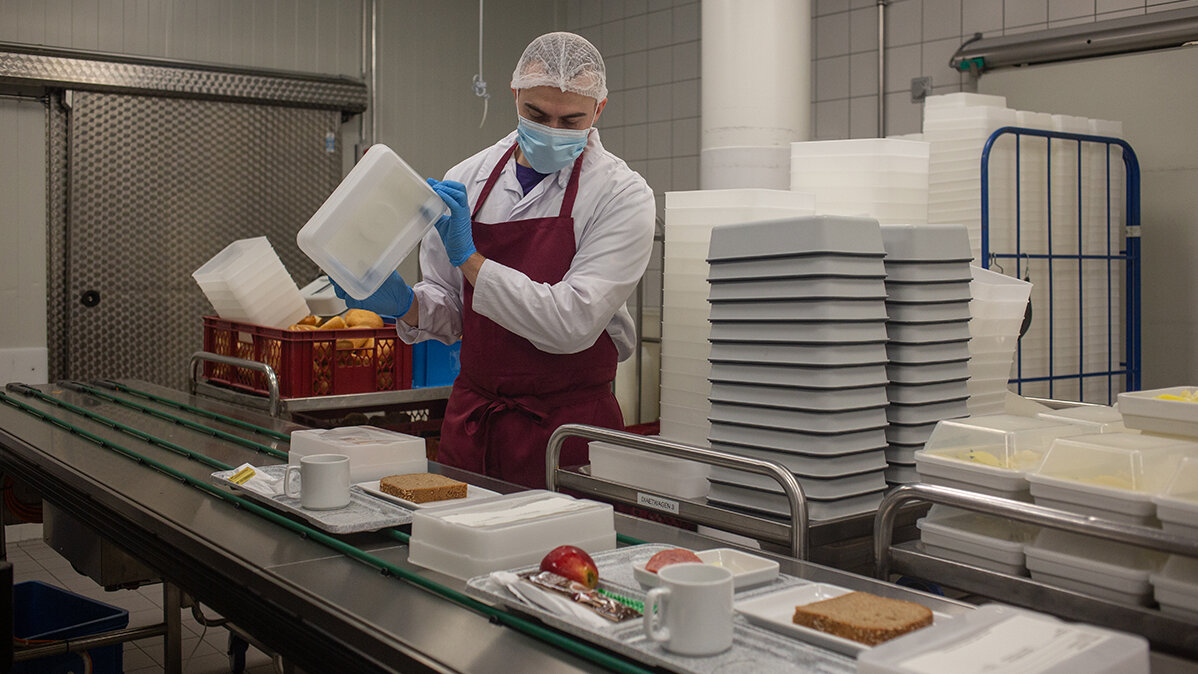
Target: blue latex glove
393,298
455,228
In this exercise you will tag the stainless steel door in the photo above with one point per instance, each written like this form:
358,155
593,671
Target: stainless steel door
154,188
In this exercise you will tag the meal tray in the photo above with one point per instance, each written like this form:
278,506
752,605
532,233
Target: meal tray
364,512
753,649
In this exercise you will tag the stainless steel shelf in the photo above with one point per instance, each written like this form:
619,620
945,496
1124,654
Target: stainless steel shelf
1165,633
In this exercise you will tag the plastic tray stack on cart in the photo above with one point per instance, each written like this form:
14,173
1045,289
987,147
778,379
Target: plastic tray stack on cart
976,539
997,310
1176,585
646,470
246,282
689,218
927,301
798,356
956,127
882,178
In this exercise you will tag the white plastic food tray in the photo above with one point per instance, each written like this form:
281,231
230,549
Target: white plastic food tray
1177,508
798,266
793,441
442,542
373,452
1143,410
978,540
646,470
1175,587
1100,568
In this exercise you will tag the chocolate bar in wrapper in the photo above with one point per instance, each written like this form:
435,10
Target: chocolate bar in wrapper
605,606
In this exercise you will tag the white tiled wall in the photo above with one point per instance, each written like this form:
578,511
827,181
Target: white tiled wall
921,37
651,48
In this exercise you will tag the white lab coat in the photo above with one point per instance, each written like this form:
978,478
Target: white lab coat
613,234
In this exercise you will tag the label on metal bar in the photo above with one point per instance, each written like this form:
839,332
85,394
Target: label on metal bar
1132,232
657,503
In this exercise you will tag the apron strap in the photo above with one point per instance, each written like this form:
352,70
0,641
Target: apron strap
567,200
491,180
536,408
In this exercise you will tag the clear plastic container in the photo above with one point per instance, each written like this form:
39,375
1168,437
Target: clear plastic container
738,198
1147,411
991,454
369,224
1108,475
991,285
509,531
1175,587
1100,568
1097,418
373,452
646,470
1177,507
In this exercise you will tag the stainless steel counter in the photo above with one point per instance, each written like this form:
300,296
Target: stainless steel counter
319,608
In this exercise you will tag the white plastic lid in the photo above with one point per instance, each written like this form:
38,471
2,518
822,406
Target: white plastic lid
369,224
1099,418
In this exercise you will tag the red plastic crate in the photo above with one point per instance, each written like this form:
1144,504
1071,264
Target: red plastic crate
308,362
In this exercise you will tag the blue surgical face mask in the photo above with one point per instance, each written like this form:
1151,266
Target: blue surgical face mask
547,149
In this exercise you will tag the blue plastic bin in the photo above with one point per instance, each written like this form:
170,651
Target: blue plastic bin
435,364
42,611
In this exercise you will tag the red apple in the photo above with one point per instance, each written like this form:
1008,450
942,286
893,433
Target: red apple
573,563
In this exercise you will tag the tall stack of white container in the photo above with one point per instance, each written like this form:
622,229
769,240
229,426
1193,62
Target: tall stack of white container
928,300
998,307
881,178
1087,311
798,353
957,126
247,282
689,218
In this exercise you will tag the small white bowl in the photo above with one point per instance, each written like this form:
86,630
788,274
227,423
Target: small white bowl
747,570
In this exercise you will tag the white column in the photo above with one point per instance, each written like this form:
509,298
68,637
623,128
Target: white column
756,90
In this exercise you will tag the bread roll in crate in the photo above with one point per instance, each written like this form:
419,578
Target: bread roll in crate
354,353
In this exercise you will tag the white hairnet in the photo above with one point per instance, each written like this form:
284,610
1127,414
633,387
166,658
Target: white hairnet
563,60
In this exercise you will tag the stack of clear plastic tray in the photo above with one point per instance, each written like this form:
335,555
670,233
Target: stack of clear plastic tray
927,301
882,178
247,282
689,218
798,361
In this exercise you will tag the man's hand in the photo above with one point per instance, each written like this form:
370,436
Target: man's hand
455,228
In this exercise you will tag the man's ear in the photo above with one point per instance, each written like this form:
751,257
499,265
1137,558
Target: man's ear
599,110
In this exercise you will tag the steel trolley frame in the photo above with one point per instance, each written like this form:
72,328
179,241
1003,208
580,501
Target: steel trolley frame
1130,365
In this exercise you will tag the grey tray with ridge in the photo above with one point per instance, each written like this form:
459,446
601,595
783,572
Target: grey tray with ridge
799,310
800,288
797,266
797,332
812,234
753,649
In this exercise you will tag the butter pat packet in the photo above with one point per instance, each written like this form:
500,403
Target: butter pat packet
255,480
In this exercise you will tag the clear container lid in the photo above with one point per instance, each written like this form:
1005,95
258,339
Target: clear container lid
998,440
369,224
1184,485
1098,418
1126,461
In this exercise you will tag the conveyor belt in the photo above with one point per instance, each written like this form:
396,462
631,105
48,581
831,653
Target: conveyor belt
533,629
123,388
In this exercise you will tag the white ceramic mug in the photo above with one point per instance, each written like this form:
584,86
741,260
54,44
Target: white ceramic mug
694,603
323,483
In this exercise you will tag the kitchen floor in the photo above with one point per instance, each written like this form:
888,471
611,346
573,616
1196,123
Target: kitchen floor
204,649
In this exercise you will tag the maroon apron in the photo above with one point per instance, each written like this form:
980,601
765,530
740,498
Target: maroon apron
510,395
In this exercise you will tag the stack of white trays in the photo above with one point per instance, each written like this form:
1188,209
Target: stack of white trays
1113,571
798,361
247,282
882,178
927,300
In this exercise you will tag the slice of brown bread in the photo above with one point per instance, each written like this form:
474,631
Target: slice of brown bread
863,617
422,487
